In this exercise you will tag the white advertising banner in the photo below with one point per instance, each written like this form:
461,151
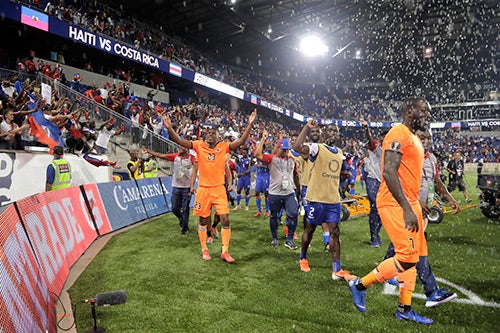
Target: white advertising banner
23,174
217,85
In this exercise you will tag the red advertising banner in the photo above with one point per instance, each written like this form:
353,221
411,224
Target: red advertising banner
60,229
25,302
41,237
97,207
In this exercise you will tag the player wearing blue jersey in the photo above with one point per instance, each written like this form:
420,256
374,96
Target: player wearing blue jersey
262,186
243,172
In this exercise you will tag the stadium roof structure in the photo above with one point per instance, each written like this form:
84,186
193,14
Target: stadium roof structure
370,41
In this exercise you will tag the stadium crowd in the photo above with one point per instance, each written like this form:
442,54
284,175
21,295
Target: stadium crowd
79,133
77,125
343,103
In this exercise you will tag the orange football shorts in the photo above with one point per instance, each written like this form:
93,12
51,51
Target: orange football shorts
206,197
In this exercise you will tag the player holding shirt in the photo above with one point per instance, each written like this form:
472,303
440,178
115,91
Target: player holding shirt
400,210
211,191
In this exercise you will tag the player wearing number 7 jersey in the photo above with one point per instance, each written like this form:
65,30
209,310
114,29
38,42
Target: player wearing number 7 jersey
211,191
400,210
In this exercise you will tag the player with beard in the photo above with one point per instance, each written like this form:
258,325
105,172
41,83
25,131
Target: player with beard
303,167
399,209
326,167
431,185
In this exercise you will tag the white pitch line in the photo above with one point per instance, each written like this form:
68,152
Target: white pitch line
472,299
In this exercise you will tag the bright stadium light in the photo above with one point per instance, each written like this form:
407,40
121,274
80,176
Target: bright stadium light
313,46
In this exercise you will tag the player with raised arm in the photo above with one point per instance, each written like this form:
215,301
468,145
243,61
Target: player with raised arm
211,191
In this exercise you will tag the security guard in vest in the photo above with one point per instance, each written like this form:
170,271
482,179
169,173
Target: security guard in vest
150,167
58,172
135,166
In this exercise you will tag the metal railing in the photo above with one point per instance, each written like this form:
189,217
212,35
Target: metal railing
133,136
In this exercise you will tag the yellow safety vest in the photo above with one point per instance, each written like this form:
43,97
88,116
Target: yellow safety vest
153,173
62,175
137,173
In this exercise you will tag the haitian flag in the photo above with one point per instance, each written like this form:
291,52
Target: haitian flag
253,99
98,162
41,135
46,131
35,19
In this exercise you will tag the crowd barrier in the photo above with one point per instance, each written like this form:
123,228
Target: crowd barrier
22,173
43,235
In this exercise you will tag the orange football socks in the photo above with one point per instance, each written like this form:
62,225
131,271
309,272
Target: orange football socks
202,234
226,236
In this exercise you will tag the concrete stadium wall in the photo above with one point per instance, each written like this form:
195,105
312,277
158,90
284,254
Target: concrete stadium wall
23,173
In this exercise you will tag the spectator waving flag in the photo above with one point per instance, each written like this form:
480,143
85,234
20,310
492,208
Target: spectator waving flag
46,131
43,129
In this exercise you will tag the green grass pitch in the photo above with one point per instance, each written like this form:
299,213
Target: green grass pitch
170,289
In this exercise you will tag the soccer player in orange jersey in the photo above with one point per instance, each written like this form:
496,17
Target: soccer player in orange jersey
400,210
430,186
211,191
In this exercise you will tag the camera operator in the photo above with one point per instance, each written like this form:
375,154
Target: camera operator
456,168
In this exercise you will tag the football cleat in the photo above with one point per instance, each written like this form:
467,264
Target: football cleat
226,257
358,296
304,265
413,316
343,275
205,255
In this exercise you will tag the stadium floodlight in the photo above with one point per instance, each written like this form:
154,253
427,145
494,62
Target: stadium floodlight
313,46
